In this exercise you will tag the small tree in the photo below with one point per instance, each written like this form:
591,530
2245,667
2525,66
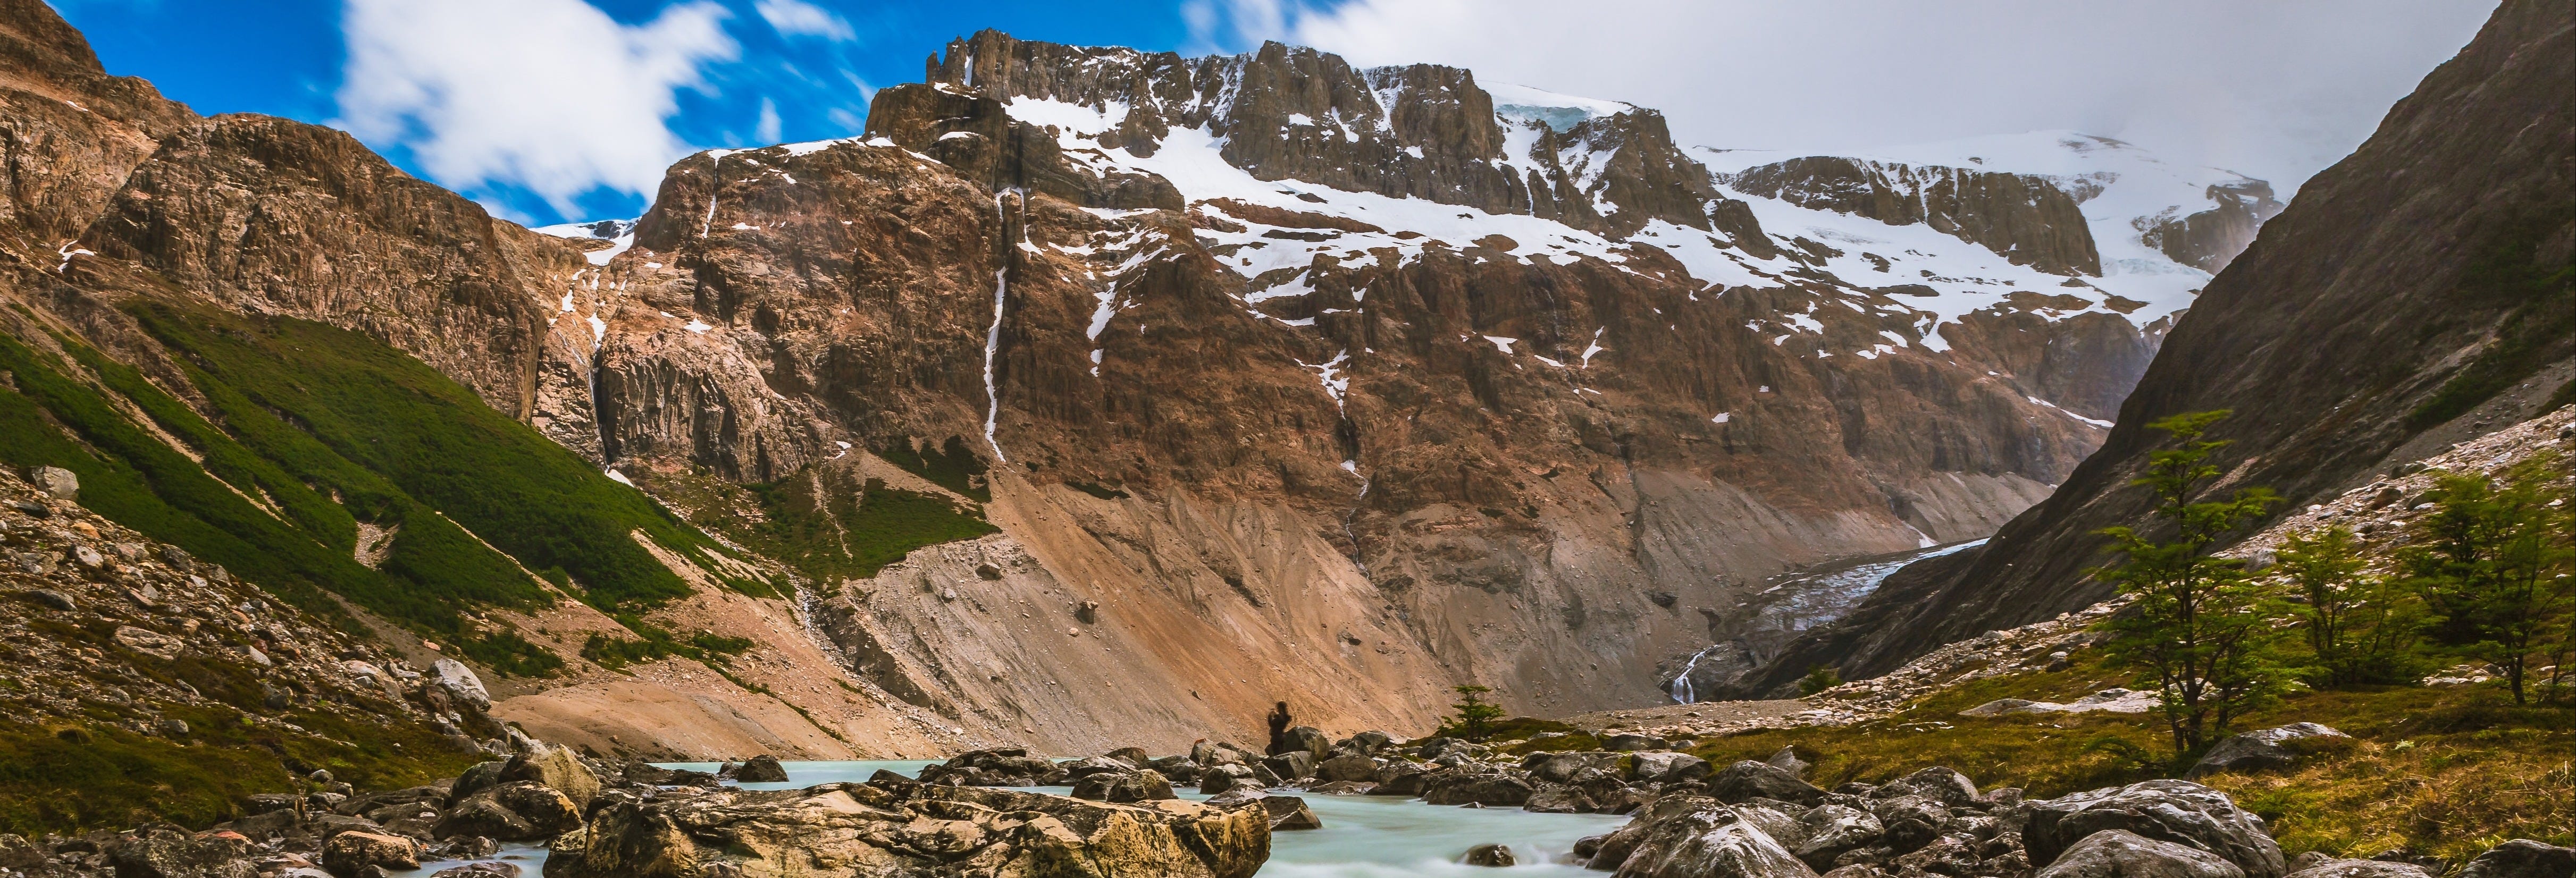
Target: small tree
1819,679
2360,628
2199,628
1475,717
2490,566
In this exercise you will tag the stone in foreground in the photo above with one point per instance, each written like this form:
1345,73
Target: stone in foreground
848,830
2169,810
2113,853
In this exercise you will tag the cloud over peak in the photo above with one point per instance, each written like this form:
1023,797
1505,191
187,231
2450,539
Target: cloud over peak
552,96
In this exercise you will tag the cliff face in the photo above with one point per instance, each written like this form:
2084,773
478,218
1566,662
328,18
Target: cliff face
2416,294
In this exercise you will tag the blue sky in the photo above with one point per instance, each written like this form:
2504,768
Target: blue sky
553,110
292,58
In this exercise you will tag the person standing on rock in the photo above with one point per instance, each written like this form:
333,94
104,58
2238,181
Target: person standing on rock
1278,728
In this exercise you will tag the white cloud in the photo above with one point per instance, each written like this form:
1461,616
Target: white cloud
2277,90
550,95
766,131
798,18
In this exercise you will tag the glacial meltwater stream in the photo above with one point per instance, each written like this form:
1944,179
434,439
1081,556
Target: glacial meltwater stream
1363,836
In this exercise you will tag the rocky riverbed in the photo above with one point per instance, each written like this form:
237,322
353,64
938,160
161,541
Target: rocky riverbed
1220,811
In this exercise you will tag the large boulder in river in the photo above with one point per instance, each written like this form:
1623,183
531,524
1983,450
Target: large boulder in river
1307,739
761,769
560,768
354,852
2522,858
1123,786
1695,838
998,767
1489,788
891,827
1346,767
515,811
2114,853
2266,749
2170,810
1749,780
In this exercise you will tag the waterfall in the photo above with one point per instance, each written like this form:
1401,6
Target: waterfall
993,337
1682,691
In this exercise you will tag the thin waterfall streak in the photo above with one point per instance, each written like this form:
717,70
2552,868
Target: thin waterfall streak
715,177
993,336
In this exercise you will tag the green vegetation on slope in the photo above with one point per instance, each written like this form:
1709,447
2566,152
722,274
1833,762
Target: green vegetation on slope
369,407
317,430
822,520
2536,332
949,466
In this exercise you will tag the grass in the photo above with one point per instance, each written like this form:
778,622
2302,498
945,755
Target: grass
309,430
2534,333
2448,771
828,528
69,777
368,405
949,466
614,653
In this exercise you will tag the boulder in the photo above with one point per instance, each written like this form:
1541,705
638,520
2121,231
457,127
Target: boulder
1290,813
480,777
1400,778
997,767
1787,760
2170,810
560,768
165,852
2362,869
1778,824
348,853
1227,778
761,769
2522,858
1562,767
1091,765
1833,830
1749,779
1133,756
1129,786
1346,767
1489,855
2114,853
1480,787
1909,822
1669,767
640,771
515,811
894,827
1704,840
1312,741
1634,742
2265,749
1557,798
462,685
1207,753
1292,765
56,482
1942,785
